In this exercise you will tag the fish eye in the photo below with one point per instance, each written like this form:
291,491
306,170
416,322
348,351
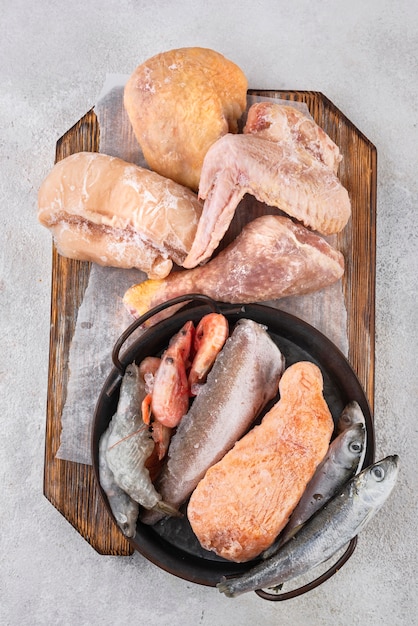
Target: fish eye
355,446
378,473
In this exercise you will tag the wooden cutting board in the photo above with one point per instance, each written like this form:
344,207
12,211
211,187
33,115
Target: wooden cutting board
70,486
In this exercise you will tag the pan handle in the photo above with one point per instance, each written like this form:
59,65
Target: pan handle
315,583
157,309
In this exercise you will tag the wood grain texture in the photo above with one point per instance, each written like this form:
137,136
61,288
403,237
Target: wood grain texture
71,487
357,241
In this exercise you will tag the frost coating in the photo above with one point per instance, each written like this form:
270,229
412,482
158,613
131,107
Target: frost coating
244,378
103,209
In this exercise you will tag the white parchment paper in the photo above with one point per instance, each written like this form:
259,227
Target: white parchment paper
102,317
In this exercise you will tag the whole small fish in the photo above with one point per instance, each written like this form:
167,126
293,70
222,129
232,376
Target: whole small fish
341,519
352,414
124,509
130,444
339,465
244,377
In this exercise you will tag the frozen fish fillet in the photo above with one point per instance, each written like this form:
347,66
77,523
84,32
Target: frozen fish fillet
245,376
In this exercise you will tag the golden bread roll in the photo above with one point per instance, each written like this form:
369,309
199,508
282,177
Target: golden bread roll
179,103
102,209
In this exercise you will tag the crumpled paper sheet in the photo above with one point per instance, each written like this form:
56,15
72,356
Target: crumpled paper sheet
102,317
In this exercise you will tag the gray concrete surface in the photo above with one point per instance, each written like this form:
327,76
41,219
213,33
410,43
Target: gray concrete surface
54,58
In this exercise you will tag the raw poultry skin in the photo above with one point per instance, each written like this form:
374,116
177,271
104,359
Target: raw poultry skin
245,500
181,101
271,258
279,174
103,209
280,122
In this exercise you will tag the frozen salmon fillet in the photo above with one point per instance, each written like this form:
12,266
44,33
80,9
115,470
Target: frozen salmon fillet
245,500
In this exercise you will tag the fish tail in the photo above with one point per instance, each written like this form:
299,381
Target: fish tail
227,587
167,509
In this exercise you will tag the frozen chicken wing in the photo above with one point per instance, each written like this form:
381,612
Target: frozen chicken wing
279,174
280,122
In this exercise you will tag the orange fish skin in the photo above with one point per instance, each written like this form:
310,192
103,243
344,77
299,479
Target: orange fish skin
245,500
